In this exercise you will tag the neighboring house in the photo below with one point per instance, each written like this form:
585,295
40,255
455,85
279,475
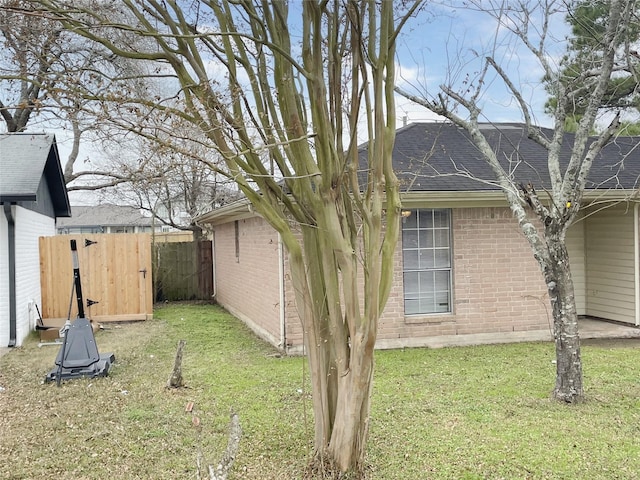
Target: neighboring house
32,195
464,272
106,218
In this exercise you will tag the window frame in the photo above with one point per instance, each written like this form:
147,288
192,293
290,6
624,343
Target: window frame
418,249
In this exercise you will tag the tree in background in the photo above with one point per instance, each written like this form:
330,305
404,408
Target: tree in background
283,100
177,185
588,21
544,218
50,78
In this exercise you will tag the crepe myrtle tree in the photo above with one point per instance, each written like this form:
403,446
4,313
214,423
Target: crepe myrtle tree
283,92
544,218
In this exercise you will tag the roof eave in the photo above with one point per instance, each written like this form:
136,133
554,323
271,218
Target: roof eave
432,199
496,198
55,177
459,199
228,213
27,197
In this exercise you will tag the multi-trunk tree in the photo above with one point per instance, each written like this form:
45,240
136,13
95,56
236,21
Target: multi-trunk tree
283,92
546,212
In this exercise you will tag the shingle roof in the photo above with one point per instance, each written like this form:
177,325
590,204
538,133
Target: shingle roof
442,157
104,216
24,159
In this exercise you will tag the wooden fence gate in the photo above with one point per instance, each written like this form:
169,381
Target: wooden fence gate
115,271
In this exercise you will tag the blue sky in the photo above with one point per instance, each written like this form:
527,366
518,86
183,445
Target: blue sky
448,45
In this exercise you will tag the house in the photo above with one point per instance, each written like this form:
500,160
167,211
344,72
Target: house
105,218
464,272
32,195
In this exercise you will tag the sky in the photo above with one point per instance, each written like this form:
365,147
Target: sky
448,46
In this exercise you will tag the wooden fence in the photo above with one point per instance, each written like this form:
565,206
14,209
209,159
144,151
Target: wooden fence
183,271
115,271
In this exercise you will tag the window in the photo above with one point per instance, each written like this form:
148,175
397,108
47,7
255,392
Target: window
426,255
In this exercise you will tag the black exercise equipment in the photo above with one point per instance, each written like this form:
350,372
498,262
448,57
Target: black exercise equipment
78,356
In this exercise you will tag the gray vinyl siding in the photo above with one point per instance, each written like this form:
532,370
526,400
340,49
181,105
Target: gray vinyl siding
575,242
44,203
610,267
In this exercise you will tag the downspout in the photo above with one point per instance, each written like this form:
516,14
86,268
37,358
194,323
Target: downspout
283,332
636,251
213,264
11,241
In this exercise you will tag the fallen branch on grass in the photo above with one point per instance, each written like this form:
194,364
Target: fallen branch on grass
226,462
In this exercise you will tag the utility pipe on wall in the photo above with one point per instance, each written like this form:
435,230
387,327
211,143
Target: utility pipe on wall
283,333
213,266
11,242
636,249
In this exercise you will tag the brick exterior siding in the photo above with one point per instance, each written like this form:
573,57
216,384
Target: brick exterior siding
248,286
498,292
497,285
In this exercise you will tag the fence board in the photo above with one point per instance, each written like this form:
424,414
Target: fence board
183,271
116,272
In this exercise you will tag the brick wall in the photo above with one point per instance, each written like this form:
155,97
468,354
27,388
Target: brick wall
248,285
294,330
498,290
497,285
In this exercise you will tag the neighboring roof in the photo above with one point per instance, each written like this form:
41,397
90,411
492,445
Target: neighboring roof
442,157
105,215
24,159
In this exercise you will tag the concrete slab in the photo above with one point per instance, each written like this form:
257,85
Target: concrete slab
589,328
594,328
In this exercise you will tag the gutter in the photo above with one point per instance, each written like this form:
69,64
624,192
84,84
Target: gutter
495,198
11,241
233,211
213,266
636,251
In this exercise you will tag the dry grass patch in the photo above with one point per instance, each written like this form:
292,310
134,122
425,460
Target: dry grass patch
128,425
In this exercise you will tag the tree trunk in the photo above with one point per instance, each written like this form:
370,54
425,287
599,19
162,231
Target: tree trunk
340,347
565,323
351,423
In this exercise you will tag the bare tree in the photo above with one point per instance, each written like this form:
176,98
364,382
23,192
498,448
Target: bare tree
297,92
50,78
176,185
544,219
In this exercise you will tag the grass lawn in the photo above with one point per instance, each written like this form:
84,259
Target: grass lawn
454,413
